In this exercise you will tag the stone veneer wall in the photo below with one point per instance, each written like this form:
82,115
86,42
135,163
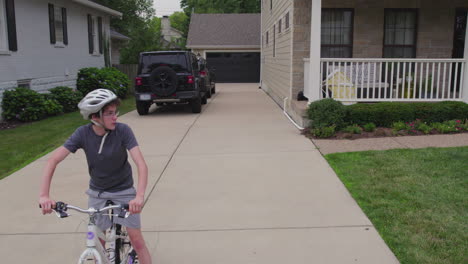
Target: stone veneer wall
434,36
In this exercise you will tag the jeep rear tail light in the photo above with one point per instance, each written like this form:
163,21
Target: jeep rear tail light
138,81
190,79
203,73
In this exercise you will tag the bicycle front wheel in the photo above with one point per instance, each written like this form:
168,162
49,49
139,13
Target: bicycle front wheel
123,247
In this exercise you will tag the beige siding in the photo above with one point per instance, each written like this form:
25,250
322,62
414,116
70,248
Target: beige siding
276,68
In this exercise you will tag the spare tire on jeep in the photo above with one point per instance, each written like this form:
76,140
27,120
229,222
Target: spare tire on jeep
163,81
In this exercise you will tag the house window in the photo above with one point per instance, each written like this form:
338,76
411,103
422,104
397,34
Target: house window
286,21
58,25
8,39
274,40
3,27
279,26
337,33
95,35
400,33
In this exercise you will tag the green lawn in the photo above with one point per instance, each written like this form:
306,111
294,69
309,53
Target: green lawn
417,199
24,144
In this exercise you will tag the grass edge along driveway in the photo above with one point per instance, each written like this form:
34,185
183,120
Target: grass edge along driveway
24,144
416,198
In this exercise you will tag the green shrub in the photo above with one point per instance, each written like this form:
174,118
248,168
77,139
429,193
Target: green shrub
52,107
68,98
354,129
27,105
385,114
398,126
324,132
423,127
444,128
90,79
369,127
326,113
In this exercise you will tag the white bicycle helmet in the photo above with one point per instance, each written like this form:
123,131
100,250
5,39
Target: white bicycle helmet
94,101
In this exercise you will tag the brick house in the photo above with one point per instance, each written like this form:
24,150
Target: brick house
364,51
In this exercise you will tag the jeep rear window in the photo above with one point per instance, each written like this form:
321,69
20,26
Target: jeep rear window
149,62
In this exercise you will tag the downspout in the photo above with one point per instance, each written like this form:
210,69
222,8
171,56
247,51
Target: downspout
286,114
261,45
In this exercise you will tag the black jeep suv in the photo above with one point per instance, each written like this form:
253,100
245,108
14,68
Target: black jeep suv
167,77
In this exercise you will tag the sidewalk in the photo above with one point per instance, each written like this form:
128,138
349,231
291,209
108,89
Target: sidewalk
442,141
235,184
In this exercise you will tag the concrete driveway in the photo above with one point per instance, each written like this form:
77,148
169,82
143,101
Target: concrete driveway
234,184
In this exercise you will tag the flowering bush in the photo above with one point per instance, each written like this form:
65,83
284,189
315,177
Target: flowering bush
90,79
354,129
27,105
324,132
67,97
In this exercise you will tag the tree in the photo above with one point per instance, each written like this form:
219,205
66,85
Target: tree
220,6
138,23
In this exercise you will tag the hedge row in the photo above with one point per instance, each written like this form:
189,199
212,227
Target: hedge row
328,112
27,105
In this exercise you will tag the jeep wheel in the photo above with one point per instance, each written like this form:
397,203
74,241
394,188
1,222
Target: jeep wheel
163,81
142,107
204,99
213,90
208,93
196,103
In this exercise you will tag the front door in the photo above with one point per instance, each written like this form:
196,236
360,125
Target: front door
458,47
459,34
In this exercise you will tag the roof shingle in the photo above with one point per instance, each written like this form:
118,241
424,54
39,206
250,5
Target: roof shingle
233,30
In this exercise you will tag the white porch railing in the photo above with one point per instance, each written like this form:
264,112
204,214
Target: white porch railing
374,80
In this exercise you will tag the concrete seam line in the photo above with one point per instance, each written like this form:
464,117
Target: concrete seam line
173,153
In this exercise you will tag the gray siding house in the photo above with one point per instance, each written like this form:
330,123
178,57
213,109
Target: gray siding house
43,43
230,43
364,51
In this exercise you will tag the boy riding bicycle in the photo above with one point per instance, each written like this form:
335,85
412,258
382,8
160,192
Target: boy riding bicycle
105,143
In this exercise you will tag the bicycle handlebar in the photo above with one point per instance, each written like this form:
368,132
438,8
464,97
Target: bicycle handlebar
61,208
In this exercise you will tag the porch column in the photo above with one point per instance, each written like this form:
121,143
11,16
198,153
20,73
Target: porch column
465,77
314,70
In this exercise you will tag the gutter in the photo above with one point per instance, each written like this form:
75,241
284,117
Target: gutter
99,7
224,47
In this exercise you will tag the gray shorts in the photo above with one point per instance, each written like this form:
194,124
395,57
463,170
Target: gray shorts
98,200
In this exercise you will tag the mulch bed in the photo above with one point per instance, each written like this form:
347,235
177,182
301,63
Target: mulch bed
10,124
378,133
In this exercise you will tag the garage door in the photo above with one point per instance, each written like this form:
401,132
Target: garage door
234,67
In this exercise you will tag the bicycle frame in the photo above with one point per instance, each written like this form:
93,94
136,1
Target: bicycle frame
94,246
94,235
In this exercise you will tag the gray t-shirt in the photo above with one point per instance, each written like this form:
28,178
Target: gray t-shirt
110,170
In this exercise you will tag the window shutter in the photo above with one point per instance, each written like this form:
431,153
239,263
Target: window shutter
11,25
90,34
100,33
52,23
64,23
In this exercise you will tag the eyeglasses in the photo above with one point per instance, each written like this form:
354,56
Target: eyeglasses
110,114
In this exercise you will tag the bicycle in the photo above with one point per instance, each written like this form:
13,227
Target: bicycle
120,250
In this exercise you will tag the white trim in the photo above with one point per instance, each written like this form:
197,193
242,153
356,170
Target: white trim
464,91
3,27
315,43
224,47
99,7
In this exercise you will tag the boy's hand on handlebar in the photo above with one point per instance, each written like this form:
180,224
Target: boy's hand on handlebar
136,205
46,205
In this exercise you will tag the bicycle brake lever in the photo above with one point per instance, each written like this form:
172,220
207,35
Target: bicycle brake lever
61,214
124,214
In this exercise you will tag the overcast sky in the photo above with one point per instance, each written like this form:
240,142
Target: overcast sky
166,7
